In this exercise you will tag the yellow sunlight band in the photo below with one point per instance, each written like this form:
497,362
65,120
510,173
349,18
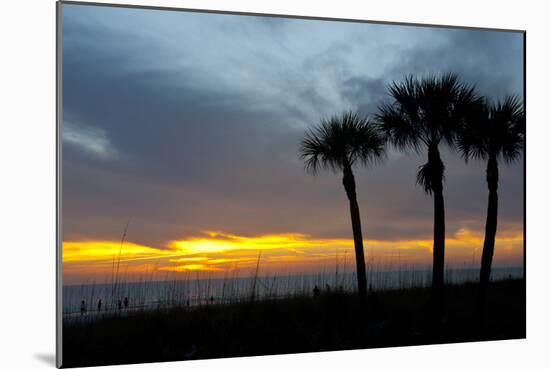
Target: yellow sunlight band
218,251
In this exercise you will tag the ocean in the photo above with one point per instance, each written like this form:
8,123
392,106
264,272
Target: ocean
160,294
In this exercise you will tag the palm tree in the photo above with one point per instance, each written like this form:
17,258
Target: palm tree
425,113
337,144
494,133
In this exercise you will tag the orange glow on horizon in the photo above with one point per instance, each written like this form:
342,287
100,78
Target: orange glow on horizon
285,252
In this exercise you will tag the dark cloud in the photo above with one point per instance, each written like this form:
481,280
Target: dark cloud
364,93
491,60
184,122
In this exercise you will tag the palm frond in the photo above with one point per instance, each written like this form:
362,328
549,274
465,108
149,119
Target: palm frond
428,175
471,141
425,110
398,128
496,129
340,140
508,115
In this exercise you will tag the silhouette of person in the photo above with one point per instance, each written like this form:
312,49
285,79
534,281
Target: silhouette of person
82,307
187,303
119,305
211,299
126,302
316,291
99,305
327,288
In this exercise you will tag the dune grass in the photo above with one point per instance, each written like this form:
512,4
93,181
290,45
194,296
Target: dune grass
301,323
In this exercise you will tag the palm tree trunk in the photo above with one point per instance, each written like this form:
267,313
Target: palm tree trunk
349,185
490,231
439,241
439,220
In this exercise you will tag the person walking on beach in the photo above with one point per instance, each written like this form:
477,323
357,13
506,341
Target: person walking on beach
119,305
82,307
99,306
126,302
316,291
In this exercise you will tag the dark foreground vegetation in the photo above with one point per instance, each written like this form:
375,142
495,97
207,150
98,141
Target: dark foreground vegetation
299,324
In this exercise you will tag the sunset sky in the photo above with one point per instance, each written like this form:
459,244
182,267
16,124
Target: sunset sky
186,126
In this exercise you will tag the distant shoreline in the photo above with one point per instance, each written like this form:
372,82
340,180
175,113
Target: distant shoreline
148,295
220,277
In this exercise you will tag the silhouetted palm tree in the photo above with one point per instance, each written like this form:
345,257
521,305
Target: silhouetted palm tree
424,113
493,133
338,144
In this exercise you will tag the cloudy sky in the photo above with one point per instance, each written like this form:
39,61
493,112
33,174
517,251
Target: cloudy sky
187,125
